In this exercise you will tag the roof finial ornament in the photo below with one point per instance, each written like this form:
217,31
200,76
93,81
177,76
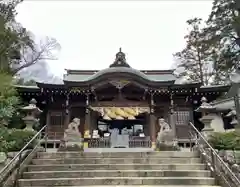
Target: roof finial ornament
120,60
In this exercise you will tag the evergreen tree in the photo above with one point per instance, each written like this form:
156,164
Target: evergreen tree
222,31
194,58
213,48
13,37
18,49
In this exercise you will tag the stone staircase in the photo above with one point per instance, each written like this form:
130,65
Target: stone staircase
174,169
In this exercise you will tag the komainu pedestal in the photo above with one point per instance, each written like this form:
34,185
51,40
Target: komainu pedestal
165,138
72,140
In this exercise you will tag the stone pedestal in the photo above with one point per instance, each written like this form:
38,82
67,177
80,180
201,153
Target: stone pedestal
207,130
30,121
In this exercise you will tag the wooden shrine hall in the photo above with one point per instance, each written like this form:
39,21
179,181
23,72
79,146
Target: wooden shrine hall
120,97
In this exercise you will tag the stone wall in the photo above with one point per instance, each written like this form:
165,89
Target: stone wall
5,158
232,158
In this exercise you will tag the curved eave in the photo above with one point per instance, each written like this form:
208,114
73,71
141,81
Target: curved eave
224,104
23,88
192,85
154,84
51,86
215,88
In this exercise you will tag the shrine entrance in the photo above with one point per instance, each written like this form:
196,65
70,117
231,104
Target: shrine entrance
123,126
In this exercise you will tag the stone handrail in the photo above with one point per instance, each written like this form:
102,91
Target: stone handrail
10,173
220,169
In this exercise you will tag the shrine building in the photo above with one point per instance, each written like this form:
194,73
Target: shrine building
120,97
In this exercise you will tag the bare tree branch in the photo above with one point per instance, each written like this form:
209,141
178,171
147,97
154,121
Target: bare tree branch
44,51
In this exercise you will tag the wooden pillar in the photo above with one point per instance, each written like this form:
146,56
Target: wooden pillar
67,112
172,121
48,121
87,115
152,123
87,122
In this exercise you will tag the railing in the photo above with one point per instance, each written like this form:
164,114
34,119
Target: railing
223,174
53,139
139,142
10,174
134,142
55,135
99,143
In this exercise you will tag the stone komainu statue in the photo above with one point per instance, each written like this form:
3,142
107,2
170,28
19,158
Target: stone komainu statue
165,137
72,140
73,127
165,132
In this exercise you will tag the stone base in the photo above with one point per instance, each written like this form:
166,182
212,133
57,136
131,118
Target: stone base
118,150
167,147
153,145
207,132
71,147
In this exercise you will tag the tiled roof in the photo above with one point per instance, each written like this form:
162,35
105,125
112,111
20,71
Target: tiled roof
156,76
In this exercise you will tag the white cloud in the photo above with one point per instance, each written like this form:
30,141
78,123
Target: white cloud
90,33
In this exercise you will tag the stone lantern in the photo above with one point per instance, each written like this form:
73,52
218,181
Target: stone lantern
207,111
32,111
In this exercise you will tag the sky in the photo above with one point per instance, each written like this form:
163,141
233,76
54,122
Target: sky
91,32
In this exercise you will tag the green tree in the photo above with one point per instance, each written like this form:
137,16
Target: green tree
8,99
13,37
213,48
18,50
194,58
223,28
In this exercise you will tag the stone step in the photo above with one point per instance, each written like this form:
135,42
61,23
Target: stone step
64,167
117,181
141,186
116,173
163,154
115,161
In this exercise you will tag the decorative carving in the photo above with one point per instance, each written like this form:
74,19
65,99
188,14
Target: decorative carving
76,89
109,113
119,84
120,60
72,137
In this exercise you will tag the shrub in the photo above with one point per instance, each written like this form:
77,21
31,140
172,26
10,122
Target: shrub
14,139
8,99
225,140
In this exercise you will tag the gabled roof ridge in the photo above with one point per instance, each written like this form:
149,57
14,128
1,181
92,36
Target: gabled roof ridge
84,72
